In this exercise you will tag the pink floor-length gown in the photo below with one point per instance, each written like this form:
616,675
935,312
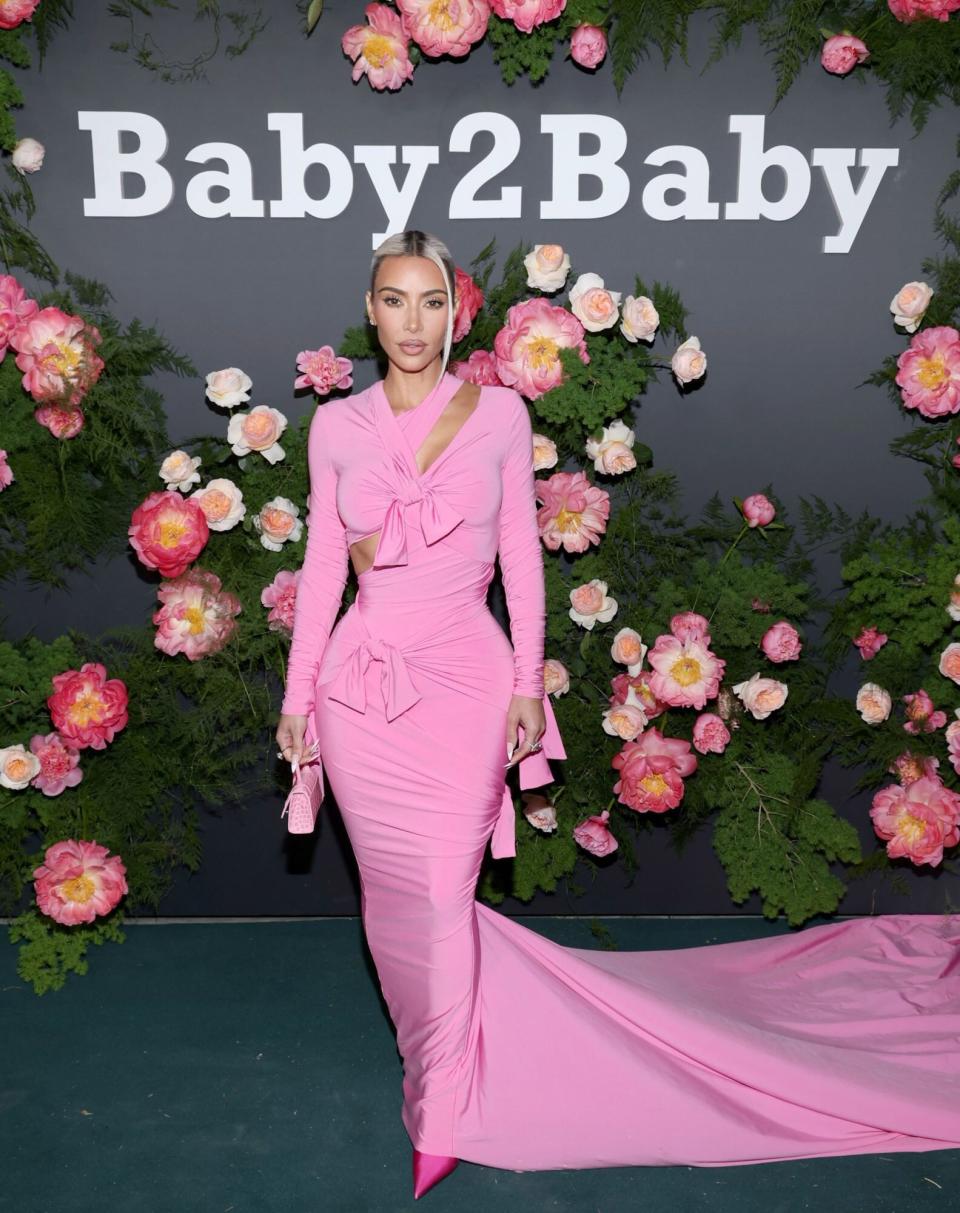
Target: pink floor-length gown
517,1052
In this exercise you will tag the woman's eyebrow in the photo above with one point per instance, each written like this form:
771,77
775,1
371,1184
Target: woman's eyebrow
434,290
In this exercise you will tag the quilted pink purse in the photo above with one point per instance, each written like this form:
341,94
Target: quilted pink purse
304,798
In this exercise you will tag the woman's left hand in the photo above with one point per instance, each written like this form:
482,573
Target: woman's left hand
528,712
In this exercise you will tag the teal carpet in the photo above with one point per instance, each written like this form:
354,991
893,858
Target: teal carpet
240,1067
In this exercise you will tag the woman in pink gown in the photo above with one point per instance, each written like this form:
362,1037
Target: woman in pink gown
517,1052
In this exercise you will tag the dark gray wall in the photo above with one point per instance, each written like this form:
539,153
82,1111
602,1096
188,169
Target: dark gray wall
789,330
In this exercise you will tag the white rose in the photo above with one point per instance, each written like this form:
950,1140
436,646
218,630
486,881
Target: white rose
278,524
873,703
640,318
179,470
222,502
27,156
910,303
611,453
544,452
539,812
18,766
761,696
592,304
257,430
547,266
688,361
591,604
229,387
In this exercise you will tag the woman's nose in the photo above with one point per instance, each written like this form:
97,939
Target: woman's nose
413,320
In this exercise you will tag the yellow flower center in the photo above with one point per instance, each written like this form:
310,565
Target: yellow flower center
195,617
378,50
65,361
933,372
440,14
568,520
654,783
78,888
87,707
911,828
171,532
686,671
541,352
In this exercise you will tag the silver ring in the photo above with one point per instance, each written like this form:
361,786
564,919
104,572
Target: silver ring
536,746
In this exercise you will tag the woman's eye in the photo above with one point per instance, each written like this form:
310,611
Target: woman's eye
438,302
390,299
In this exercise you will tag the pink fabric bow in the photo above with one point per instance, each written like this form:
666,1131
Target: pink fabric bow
436,518
399,693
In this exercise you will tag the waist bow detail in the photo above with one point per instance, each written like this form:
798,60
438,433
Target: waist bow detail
399,693
435,515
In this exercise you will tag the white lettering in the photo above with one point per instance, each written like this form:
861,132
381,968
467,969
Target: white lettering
110,164
851,205
751,201
237,181
694,185
464,203
570,164
295,159
398,203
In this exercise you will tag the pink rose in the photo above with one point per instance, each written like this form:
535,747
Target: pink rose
450,28
547,266
918,10
624,720
259,430
689,362
921,717
949,665
688,625
588,45
909,766
528,346
710,733
379,50
841,54
13,12
593,305
556,677
6,472
870,642
919,819
544,453
757,510
594,835
640,318
538,810
781,642
78,881
480,368
281,596
86,707
469,302
59,764
590,604
761,696
27,156
952,735
573,513
525,14
909,305
929,372
323,370
62,423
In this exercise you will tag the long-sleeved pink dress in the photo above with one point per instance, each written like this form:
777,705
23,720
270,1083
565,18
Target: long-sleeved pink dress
517,1052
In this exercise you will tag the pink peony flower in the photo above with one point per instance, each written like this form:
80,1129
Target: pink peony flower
197,615
527,347
919,10
469,302
653,744
573,513
379,50
62,423
757,510
909,766
444,27
6,472
921,717
637,686
281,596
77,881
57,355
929,372
13,12
526,14
870,642
480,367
15,308
59,764
86,707
953,744
841,54
652,770
686,673
588,45
168,532
710,733
688,625
323,370
918,819
781,642
593,834
556,677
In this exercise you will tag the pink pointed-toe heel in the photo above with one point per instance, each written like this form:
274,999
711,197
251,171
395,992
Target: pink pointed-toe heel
429,1169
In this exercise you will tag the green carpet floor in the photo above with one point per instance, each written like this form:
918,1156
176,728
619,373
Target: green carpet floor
249,1067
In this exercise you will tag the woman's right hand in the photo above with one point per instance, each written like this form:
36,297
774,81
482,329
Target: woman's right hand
290,734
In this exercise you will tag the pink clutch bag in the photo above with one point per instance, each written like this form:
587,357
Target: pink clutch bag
304,798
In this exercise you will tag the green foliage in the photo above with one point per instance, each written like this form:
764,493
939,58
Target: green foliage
530,54
50,951
142,47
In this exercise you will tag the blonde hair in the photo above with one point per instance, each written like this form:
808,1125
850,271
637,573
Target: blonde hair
414,243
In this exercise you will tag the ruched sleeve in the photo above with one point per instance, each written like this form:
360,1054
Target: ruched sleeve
323,574
521,555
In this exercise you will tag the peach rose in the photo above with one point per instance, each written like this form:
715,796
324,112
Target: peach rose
18,766
258,430
628,649
539,812
688,362
625,720
179,470
229,387
592,304
222,503
949,665
611,452
640,318
761,696
873,703
544,453
278,523
590,604
910,303
556,678
547,266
